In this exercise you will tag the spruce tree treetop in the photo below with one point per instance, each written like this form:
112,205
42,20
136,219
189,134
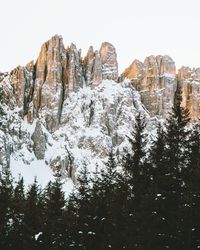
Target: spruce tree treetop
177,136
133,161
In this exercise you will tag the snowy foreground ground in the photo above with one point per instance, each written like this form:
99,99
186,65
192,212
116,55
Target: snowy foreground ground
41,171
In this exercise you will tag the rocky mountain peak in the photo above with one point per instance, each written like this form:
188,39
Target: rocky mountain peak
109,61
159,65
66,110
49,82
190,82
136,70
59,71
166,65
156,81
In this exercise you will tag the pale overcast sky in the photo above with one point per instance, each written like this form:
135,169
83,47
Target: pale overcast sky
137,28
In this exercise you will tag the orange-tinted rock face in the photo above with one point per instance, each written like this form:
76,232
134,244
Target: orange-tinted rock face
42,88
190,82
156,81
136,71
109,61
90,120
18,80
21,79
93,67
49,85
101,65
74,69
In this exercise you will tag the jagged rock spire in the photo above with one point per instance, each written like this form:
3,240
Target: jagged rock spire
109,61
156,81
42,88
101,65
190,82
66,122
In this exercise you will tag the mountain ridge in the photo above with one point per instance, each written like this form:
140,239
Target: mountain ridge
67,110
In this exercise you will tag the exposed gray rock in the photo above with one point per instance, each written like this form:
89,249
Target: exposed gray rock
80,109
101,65
97,70
74,69
156,81
190,82
49,85
21,79
39,141
109,62
88,63
93,68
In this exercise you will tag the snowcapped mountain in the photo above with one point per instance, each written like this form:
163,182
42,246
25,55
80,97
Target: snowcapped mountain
65,111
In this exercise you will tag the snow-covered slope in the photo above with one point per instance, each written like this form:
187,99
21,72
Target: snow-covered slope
94,120
65,111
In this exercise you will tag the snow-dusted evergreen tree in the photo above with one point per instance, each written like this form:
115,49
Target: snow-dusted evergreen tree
175,160
53,231
191,198
6,193
84,235
33,216
133,162
150,203
104,196
16,234
155,224
137,179
177,136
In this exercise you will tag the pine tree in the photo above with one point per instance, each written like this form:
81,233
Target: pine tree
134,161
137,178
84,238
158,193
176,155
106,210
191,197
177,134
116,192
16,235
53,231
33,216
71,217
6,193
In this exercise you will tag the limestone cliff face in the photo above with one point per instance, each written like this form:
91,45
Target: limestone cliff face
136,72
74,72
101,65
39,141
59,71
93,67
41,88
21,79
109,62
190,82
49,84
67,110
39,91
156,81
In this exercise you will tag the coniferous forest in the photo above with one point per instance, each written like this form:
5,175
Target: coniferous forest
151,203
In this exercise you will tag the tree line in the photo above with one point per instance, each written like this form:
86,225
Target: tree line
150,203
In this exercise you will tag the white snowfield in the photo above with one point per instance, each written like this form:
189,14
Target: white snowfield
94,120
